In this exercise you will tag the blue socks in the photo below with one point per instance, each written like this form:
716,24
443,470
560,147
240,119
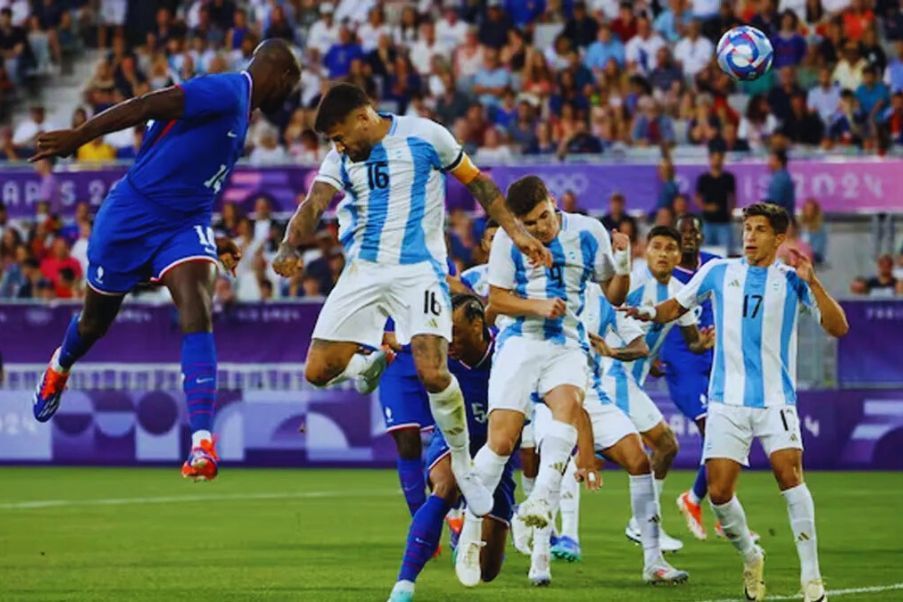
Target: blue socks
199,373
413,483
423,537
74,346
700,488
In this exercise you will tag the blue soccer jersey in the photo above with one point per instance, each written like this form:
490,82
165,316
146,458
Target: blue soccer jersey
183,163
755,311
675,351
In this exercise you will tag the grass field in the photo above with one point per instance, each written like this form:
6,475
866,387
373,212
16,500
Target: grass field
145,534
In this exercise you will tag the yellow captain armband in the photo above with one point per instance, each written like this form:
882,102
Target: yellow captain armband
464,169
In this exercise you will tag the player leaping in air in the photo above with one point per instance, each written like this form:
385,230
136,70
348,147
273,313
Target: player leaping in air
155,223
391,170
752,393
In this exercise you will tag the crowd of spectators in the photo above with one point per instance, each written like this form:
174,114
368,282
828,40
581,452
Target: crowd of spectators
509,77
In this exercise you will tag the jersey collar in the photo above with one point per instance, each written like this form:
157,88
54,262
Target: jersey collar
250,90
486,355
394,119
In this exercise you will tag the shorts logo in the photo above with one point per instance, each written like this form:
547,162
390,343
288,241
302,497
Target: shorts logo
99,274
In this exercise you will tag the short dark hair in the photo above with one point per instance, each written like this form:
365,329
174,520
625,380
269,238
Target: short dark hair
473,309
666,231
525,194
781,155
337,104
775,214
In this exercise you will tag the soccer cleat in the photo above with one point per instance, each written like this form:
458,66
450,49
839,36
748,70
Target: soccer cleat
663,573
754,576
535,513
402,592
719,532
692,514
367,381
667,543
479,499
467,562
455,523
540,574
567,549
814,591
522,535
201,464
46,400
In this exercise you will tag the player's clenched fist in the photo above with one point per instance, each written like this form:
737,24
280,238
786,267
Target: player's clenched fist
551,308
535,251
287,262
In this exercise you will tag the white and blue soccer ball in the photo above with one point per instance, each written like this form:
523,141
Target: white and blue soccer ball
745,53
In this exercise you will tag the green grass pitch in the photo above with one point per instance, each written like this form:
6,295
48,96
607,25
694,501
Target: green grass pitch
145,534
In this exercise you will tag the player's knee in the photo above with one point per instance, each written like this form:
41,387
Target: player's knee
668,446
720,493
637,464
435,379
318,375
788,477
503,445
445,489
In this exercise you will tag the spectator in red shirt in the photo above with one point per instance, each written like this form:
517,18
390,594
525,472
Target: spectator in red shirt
857,19
624,26
58,260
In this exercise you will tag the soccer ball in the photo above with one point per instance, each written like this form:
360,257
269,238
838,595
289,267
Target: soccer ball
745,53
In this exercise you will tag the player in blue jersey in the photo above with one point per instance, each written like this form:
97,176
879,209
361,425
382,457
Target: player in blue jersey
687,372
155,223
470,361
392,171
752,391
542,347
477,277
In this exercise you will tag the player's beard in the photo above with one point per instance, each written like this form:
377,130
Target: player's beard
361,154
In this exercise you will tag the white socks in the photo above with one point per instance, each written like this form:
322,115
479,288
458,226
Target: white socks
557,446
570,503
659,486
198,436
733,521
489,467
447,408
645,509
472,530
357,364
801,510
527,483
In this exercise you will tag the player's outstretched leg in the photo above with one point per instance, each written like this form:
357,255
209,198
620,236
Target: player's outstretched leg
722,474
567,546
787,465
333,362
521,534
191,286
690,502
410,467
660,438
447,407
98,313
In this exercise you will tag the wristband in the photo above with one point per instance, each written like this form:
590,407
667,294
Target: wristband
622,262
647,311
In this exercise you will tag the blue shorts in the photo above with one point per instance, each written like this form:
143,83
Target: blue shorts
134,241
404,401
503,509
689,391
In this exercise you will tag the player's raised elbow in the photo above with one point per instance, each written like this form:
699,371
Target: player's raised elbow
837,329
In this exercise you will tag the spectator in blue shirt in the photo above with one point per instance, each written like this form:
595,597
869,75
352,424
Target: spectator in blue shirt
524,12
494,27
671,21
668,189
605,48
491,79
873,95
780,188
894,75
789,45
651,127
338,59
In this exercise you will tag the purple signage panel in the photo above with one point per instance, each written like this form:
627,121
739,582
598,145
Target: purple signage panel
870,352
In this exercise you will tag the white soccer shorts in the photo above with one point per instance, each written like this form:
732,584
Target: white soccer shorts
633,400
522,367
610,424
415,296
730,430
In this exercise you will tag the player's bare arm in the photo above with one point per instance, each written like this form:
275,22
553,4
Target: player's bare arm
617,287
698,341
833,318
168,103
636,349
664,312
487,193
505,302
287,262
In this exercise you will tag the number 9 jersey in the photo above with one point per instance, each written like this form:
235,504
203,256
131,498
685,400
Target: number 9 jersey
158,215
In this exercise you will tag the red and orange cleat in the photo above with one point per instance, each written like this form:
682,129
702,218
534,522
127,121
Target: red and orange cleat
202,463
47,395
692,514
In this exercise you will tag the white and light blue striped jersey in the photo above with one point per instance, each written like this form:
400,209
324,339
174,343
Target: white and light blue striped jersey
581,254
618,330
651,292
756,311
394,207
477,278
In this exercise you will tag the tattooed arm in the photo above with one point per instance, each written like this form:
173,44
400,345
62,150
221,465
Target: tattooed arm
287,262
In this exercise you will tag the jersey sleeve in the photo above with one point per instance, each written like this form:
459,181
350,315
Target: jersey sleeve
688,319
628,328
807,302
331,170
603,261
501,263
698,288
211,95
448,151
